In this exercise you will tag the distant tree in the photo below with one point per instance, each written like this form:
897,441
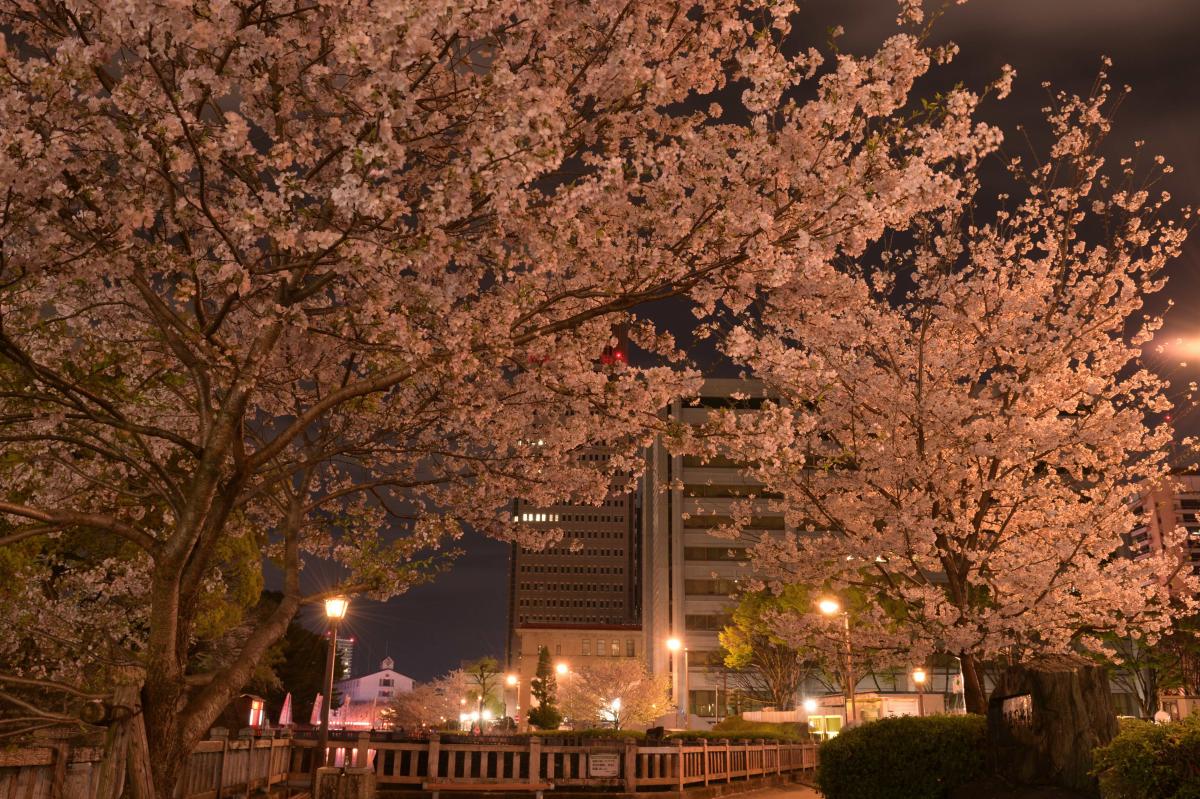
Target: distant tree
483,677
434,704
1170,664
544,688
761,663
617,692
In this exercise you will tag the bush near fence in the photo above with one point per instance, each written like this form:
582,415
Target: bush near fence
903,758
1151,761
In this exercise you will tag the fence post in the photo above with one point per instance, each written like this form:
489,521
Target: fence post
360,756
535,758
679,767
728,762
435,755
630,765
704,757
223,734
778,759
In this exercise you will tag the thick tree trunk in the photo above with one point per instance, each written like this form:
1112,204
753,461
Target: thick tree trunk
1045,719
973,691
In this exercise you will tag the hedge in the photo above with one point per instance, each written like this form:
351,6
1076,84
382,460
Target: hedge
903,758
1151,761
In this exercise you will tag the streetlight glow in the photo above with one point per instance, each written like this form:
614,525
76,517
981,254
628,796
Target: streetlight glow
810,705
830,607
674,644
918,676
560,667
335,608
511,680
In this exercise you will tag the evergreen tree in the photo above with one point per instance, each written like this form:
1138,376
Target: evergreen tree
545,690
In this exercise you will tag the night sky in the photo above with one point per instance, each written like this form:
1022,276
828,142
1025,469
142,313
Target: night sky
1155,47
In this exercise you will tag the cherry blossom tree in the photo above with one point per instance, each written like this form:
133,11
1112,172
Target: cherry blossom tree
432,704
328,280
963,423
617,692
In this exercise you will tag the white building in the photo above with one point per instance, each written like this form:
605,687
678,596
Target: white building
363,699
689,573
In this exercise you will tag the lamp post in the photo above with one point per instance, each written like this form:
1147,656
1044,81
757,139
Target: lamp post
919,677
335,611
676,646
831,607
512,681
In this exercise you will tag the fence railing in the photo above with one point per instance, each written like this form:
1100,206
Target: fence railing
216,769
625,764
234,767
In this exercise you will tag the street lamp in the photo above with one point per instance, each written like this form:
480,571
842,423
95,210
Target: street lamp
511,680
919,677
335,612
676,646
560,668
831,607
615,707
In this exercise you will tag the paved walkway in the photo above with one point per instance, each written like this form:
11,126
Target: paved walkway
787,792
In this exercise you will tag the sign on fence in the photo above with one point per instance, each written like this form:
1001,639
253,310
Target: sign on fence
604,764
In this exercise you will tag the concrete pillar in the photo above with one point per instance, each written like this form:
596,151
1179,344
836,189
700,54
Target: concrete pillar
326,786
357,783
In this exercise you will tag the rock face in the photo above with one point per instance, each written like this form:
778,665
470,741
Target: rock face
1045,717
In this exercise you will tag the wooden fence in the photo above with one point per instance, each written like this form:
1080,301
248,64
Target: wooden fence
217,769
625,765
220,769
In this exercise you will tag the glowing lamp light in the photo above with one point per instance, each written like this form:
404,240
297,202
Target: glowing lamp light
918,676
810,705
336,607
560,668
674,644
616,705
511,680
830,607
487,715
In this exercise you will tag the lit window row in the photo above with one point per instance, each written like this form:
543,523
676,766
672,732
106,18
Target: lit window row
539,517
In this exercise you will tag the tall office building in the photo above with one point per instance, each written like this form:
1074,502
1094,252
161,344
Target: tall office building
590,575
581,598
689,574
344,653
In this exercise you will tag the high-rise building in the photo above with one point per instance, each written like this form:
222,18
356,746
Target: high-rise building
344,654
587,577
1163,508
688,573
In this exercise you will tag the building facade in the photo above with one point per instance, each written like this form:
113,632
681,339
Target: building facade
363,699
689,574
591,575
571,647
1161,509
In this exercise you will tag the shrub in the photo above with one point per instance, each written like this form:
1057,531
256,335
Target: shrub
903,758
1151,761
737,727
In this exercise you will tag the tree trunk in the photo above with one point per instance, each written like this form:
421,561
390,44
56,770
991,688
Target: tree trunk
973,690
1046,717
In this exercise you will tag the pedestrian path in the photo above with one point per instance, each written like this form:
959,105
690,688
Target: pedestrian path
783,792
